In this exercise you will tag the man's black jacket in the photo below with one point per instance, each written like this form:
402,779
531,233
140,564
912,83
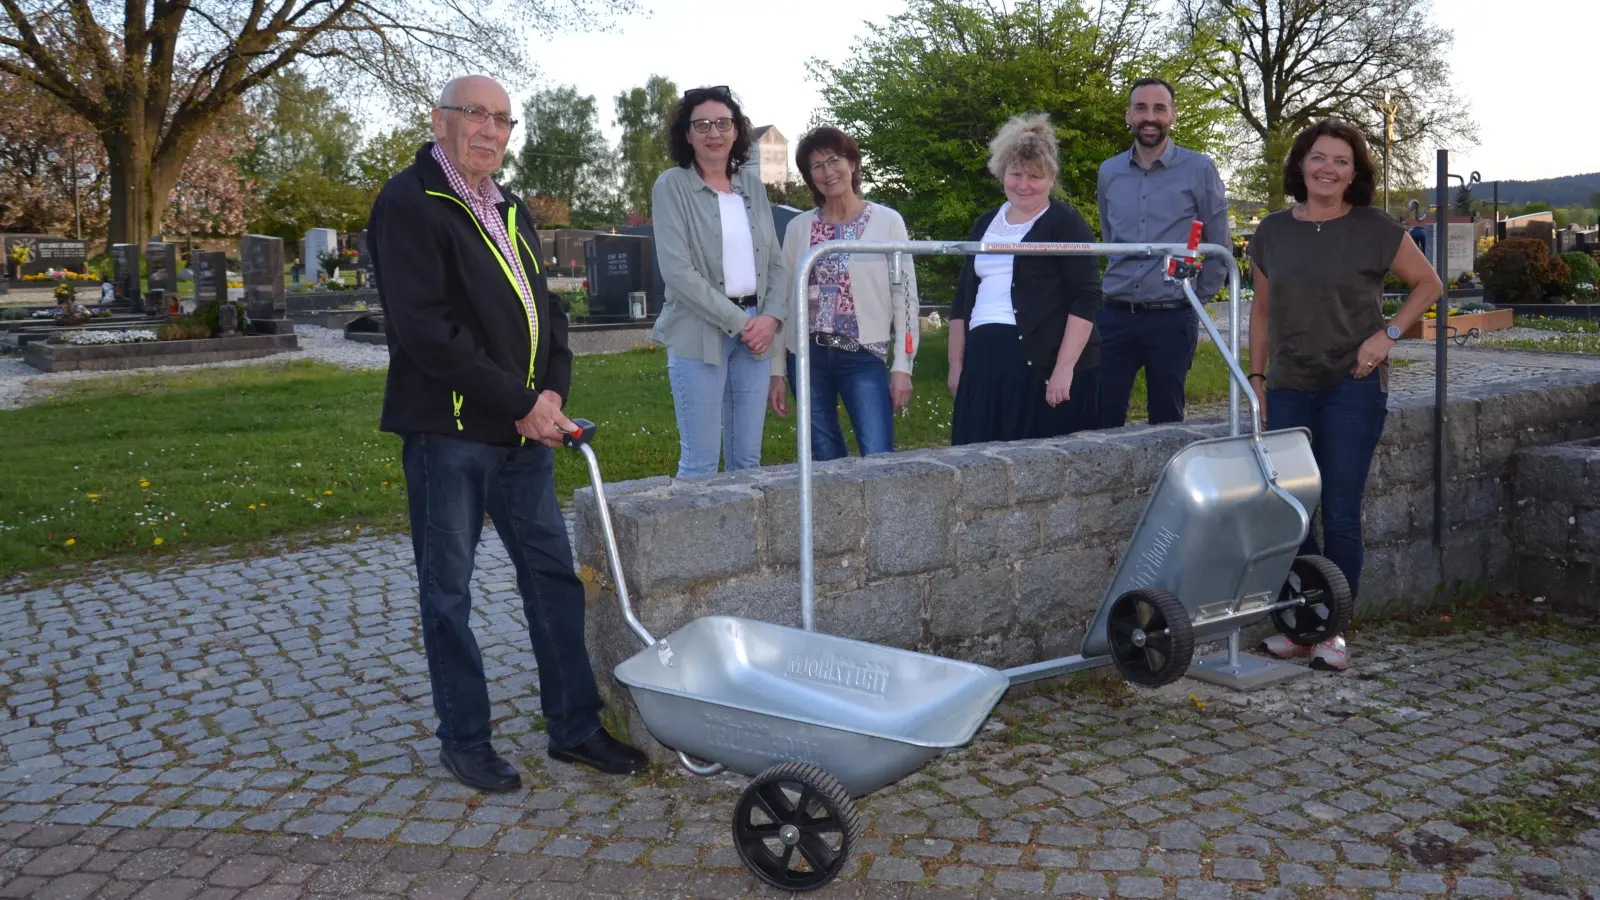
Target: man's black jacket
465,356
1044,289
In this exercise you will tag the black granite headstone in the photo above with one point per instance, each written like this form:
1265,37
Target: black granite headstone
617,265
125,275
45,253
262,258
210,277
163,266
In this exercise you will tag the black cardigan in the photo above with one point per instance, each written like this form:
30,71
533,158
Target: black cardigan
1044,289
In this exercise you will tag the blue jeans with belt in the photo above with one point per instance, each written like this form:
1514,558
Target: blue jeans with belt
1346,422
861,380
450,484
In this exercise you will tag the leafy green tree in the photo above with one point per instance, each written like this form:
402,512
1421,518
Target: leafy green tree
642,113
791,193
388,152
307,162
924,94
565,157
1282,66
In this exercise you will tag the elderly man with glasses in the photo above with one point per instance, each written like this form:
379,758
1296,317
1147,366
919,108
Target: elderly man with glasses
479,371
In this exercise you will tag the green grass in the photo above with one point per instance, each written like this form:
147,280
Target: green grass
1568,805
149,465
1567,335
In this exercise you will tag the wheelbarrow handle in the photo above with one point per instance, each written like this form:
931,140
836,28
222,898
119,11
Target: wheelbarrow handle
580,441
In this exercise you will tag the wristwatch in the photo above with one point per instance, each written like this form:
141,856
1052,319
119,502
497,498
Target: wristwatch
1393,331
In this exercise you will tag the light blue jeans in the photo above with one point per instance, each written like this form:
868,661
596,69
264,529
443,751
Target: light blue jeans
719,407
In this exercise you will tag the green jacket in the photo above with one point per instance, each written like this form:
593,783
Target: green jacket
688,236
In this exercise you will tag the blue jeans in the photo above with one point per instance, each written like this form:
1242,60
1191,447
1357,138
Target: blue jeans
1346,421
450,484
1162,343
719,407
861,380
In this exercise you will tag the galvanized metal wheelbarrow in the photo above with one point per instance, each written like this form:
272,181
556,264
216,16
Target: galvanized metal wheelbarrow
818,719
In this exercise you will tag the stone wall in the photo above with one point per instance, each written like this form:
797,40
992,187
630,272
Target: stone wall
1000,553
1556,531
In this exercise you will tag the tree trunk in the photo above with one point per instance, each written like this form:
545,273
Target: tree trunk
1276,150
130,166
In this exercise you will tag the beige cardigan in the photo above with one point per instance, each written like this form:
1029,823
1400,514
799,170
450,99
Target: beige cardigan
869,285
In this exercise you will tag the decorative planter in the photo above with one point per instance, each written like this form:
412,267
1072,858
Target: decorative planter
51,357
1461,323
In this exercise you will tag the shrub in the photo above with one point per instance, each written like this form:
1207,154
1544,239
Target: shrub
1521,270
1393,282
1581,269
184,329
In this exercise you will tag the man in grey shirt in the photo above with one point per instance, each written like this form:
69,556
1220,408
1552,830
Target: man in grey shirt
1151,194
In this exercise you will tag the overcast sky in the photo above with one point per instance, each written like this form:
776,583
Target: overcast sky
1528,68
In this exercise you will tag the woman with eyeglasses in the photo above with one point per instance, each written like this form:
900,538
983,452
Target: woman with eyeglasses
862,342
726,291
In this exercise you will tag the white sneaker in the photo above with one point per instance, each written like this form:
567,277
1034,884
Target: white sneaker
1332,655
1283,648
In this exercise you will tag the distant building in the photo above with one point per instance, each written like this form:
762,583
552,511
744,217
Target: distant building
771,155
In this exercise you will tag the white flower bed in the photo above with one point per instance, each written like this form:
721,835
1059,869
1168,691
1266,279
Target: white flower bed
133,336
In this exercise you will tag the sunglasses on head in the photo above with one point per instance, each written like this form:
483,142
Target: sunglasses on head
720,90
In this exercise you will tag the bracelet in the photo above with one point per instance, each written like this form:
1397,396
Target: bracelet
1256,375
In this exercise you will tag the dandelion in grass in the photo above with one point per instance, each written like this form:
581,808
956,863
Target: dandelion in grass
157,542
71,541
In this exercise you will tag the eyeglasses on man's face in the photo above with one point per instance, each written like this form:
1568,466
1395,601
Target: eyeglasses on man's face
703,126
477,115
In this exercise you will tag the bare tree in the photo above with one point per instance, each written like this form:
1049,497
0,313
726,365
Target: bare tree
152,77
1283,64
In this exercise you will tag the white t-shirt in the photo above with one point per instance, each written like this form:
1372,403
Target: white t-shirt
994,306
738,251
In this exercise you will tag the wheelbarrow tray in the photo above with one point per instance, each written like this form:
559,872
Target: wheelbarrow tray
750,694
1215,535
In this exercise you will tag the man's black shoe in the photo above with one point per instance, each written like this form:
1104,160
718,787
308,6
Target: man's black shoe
482,768
604,752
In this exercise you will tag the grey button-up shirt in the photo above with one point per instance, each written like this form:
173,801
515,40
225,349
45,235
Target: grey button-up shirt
1156,205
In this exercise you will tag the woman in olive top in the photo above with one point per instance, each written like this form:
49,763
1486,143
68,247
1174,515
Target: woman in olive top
1318,340
1024,355
726,291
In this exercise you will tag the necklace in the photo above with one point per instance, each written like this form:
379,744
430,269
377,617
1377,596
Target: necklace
1305,211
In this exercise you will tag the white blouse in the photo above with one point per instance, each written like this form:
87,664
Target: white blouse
993,305
738,251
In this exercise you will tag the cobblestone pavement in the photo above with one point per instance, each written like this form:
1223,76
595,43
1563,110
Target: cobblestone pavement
261,729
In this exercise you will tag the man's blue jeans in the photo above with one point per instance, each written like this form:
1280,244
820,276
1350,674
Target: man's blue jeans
450,484
719,407
1346,421
1162,342
861,380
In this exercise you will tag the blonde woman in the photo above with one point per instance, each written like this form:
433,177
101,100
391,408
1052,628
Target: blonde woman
1024,355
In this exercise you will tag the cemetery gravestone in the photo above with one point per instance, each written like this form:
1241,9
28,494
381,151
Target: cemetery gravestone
210,277
364,267
46,253
162,259
263,283
125,275
617,265
317,242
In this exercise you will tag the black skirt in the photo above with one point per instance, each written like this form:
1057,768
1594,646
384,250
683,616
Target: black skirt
1001,398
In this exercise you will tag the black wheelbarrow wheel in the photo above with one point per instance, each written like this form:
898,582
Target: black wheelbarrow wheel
1151,636
1326,607
795,826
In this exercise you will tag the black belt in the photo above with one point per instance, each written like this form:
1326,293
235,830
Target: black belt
835,341
747,301
1159,306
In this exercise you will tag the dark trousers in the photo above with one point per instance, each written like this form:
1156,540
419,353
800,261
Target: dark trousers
451,483
1162,343
1346,421
1001,398
861,380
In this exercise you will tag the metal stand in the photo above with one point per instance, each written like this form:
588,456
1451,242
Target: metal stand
1243,672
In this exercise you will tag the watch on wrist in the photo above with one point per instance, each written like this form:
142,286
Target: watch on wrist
1393,331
